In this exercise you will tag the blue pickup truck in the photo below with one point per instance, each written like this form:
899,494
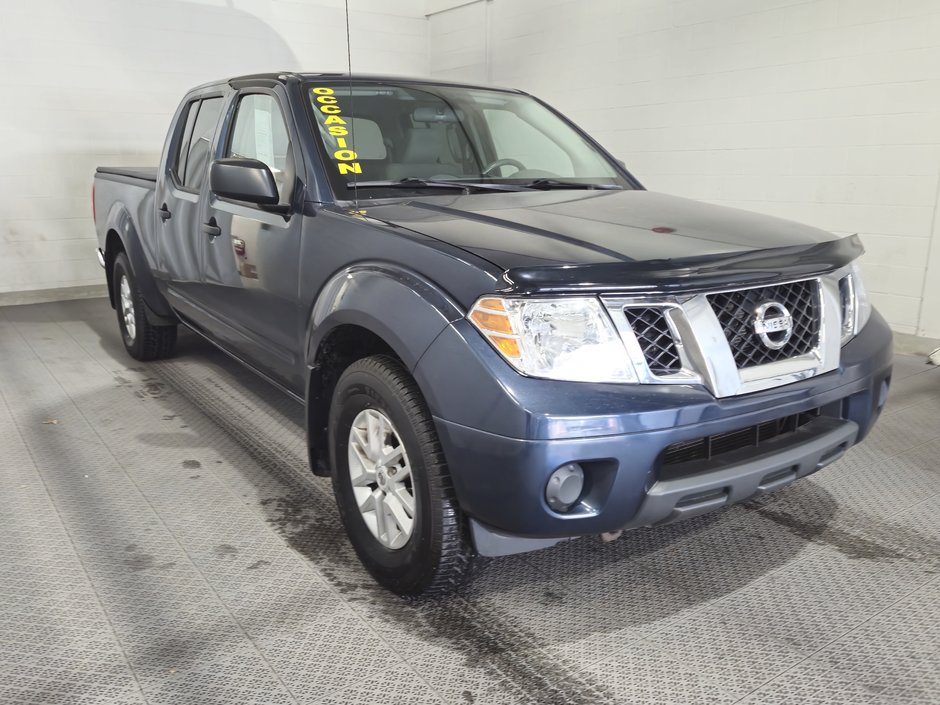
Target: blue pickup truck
502,340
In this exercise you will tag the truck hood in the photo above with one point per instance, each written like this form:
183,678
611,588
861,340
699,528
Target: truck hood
620,240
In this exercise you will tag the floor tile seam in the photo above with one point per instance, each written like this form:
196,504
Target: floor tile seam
787,565
893,456
926,365
649,636
78,557
158,516
890,411
843,635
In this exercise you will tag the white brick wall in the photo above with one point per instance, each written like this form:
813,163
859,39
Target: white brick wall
96,82
822,111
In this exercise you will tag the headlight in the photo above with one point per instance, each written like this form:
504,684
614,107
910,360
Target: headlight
856,308
569,339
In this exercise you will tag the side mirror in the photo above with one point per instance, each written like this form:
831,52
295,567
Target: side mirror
246,180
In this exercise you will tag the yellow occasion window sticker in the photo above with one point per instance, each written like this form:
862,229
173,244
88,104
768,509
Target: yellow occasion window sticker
332,118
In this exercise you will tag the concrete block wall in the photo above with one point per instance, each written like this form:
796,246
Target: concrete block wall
821,111
96,82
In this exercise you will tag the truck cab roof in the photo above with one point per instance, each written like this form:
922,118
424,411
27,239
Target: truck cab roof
284,76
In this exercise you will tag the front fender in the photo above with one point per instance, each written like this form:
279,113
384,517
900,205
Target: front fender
120,221
405,309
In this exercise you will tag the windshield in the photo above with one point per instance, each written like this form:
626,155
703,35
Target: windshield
375,133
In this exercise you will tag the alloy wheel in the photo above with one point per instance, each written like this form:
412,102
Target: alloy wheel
127,308
381,478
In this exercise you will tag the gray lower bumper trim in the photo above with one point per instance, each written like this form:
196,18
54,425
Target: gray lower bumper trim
682,498
671,500
490,542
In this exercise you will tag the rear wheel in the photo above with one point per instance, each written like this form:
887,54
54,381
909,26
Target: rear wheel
391,482
142,340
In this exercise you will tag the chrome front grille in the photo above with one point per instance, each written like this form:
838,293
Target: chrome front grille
733,342
736,311
652,332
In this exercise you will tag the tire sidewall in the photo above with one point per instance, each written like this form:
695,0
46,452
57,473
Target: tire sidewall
404,569
122,269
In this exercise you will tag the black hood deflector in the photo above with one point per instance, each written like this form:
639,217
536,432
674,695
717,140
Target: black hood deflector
673,276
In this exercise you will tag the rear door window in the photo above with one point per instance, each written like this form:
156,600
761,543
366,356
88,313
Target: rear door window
179,162
200,146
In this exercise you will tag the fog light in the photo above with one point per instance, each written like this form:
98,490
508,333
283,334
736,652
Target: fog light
564,487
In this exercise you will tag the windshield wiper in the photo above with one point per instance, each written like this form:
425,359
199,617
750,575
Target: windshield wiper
546,184
414,182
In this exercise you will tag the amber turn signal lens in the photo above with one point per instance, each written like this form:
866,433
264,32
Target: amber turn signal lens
494,304
492,319
495,322
507,346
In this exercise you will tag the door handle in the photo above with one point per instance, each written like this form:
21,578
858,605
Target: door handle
164,213
211,229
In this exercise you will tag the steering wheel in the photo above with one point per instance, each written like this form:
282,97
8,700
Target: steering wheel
502,162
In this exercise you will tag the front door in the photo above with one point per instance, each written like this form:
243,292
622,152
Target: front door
251,253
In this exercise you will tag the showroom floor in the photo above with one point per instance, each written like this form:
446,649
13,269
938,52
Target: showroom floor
163,542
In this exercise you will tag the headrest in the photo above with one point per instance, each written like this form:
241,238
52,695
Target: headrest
364,136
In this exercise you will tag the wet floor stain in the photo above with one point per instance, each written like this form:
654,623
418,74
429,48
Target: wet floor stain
845,542
152,388
512,657
859,536
192,464
225,549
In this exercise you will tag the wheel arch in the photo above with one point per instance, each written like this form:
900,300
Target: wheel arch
363,310
113,246
123,236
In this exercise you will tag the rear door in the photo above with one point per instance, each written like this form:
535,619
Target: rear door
178,201
250,253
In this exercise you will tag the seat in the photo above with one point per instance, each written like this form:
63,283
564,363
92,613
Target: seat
426,154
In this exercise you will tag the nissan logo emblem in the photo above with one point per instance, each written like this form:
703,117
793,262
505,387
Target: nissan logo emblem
773,324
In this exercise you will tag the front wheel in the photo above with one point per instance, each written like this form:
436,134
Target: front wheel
142,340
391,482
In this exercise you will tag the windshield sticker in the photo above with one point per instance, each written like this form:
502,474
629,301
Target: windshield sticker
329,107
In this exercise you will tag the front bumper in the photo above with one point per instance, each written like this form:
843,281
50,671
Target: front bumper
504,434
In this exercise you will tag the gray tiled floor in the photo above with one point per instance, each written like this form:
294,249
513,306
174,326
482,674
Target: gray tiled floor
161,541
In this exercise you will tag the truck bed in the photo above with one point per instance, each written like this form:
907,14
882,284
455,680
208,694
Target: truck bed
145,173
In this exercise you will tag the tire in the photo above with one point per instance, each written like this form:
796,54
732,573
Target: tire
142,340
435,557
